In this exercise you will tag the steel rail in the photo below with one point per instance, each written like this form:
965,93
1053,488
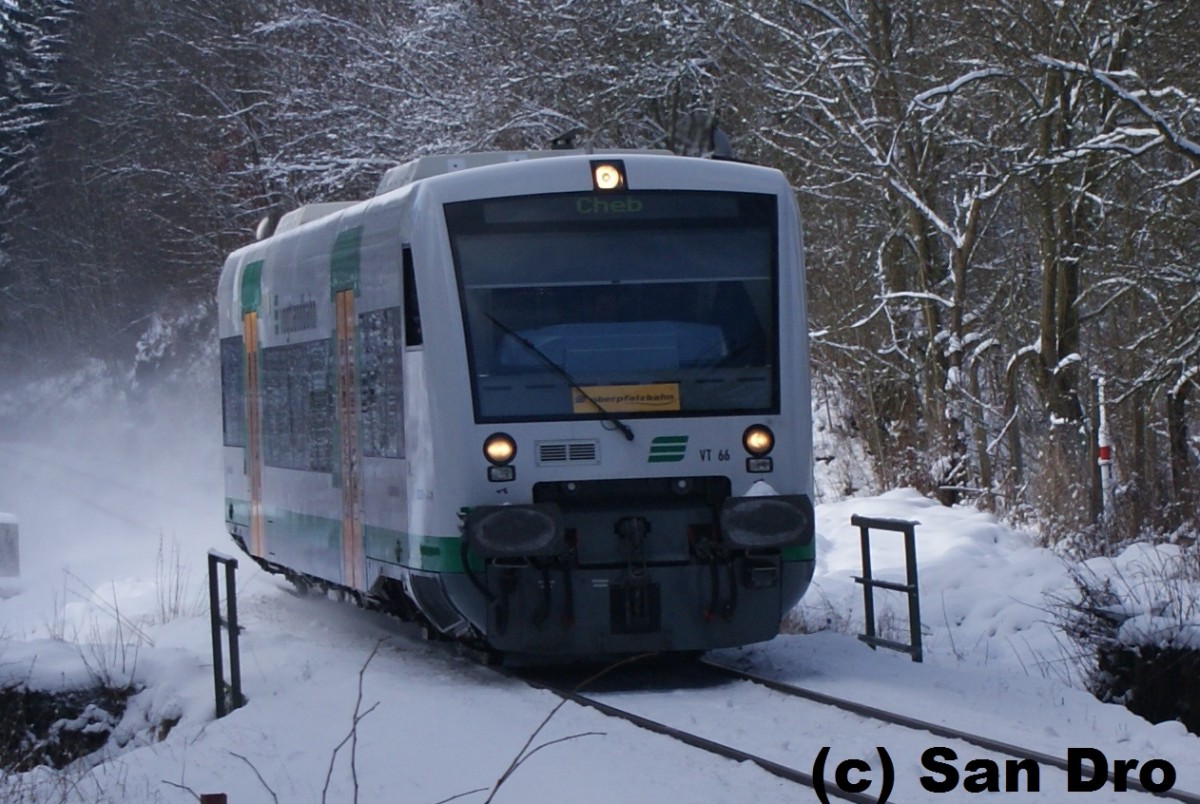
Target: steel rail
693,740
873,713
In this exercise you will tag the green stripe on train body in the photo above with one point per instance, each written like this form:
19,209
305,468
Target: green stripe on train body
431,554
251,286
345,261
800,552
428,553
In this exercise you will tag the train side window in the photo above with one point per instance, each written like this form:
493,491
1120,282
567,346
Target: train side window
298,406
381,384
233,391
412,310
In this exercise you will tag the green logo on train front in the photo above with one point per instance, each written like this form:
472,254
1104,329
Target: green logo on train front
668,449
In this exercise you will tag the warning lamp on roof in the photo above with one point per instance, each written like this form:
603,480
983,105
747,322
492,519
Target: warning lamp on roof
608,176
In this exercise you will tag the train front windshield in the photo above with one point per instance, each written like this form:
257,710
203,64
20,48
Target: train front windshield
649,303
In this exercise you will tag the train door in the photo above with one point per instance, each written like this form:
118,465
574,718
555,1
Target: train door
344,281
253,440
251,290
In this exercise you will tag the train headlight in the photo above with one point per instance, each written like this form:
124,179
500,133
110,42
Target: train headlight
758,440
608,175
499,449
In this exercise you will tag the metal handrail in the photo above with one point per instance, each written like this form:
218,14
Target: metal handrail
231,624
870,583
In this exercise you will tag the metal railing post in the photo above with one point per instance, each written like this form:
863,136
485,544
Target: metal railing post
231,619
868,582
214,613
914,597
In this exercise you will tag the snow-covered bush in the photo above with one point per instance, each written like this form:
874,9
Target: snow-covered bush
1136,624
55,728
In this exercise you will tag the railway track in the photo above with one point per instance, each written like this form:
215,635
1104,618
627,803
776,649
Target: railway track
780,770
596,693
916,724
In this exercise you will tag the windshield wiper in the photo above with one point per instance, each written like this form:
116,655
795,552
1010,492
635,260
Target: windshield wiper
562,372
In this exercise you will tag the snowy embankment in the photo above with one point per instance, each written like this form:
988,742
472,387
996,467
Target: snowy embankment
985,588
116,519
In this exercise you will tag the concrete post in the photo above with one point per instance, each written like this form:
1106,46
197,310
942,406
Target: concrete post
10,553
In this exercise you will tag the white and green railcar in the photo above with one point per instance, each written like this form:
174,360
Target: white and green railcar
553,402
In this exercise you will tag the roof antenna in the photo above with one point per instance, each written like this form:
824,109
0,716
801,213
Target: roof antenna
566,140
266,227
722,147
699,133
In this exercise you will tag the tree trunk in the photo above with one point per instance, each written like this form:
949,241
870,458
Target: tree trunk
1139,478
1181,459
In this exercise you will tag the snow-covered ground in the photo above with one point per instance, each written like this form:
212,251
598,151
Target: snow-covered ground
117,508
